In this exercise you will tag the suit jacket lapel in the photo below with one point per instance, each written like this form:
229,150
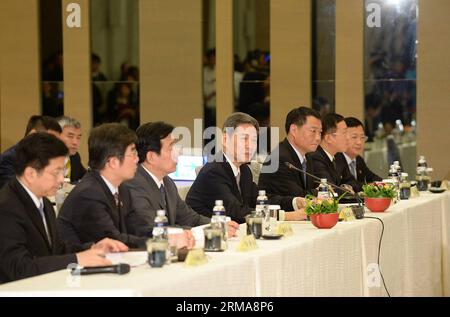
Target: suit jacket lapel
32,211
111,202
229,171
295,159
170,202
48,210
330,166
154,191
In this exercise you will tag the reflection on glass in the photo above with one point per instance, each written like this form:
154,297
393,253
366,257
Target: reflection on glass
209,63
115,61
251,30
390,79
324,48
52,102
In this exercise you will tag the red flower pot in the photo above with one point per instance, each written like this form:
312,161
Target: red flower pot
377,204
324,221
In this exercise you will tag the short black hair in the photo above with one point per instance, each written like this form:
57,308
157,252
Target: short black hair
36,150
298,117
238,118
149,137
95,58
109,140
42,123
353,122
329,123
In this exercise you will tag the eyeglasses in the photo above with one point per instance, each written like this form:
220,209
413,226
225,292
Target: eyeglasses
57,173
342,133
359,137
133,153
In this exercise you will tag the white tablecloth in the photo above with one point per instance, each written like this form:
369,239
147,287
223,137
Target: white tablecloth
415,261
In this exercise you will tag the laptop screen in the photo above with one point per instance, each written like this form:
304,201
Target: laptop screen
186,167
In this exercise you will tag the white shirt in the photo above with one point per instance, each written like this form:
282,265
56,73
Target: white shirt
302,159
331,157
110,186
155,179
300,156
233,167
38,202
349,159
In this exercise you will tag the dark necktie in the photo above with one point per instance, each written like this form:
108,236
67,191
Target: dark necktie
238,181
163,198
116,199
41,212
304,170
353,168
334,163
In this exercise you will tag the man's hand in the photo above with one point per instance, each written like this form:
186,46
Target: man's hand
108,245
182,240
92,257
348,188
232,227
300,202
296,215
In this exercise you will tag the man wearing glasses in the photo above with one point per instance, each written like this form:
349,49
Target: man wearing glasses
30,244
355,150
329,162
100,205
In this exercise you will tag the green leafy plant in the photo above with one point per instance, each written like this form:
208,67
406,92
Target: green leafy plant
379,190
315,206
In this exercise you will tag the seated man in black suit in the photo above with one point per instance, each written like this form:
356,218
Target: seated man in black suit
328,160
356,141
35,124
30,244
151,189
100,205
285,186
71,136
228,177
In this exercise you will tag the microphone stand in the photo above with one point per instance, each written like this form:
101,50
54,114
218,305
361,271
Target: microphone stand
358,210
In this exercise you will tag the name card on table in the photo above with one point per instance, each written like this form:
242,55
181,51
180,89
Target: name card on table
247,243
285,229
196,257
346,214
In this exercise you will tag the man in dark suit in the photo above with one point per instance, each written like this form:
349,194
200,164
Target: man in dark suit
30,244
329,162
100,205
35,124
285,186
71,136
152,189
356,141
228,177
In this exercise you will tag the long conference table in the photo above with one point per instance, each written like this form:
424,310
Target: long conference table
414,260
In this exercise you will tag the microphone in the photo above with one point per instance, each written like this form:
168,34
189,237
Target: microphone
120,269
356,196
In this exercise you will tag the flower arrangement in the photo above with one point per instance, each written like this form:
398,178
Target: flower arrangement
316,206
379,190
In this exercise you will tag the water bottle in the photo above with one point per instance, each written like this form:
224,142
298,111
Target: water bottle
219,219
324,191
422,174
405,187
262,203
160,255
